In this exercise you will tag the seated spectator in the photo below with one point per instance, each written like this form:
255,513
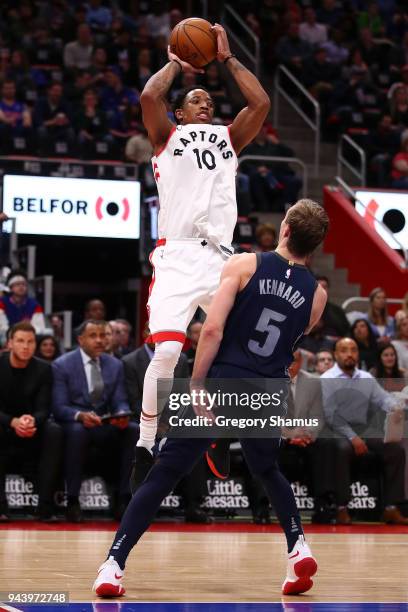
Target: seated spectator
372,20
123,47
316,341
336,52
403,82
380,322
15,117
98,17
193,334
78,53
399,171
309,446
18,306
44,51
366,342
399,107
265,235
399,54
25,428
124,330
346,410
47,348
324,361
53,117
273,184
89,384
99,65
143,68
320,74
158,21
329,13
309,30
114,94
292,51
383,144
401,343
214,84
192,487
112,341
335,323
370,51
91,122
391,376
95,309
139,149
26,78
402,312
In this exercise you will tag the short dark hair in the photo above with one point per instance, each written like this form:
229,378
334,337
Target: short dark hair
178,101
82,328
309,224
23,326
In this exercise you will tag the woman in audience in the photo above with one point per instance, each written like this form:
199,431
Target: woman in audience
401,343
387,369
362,333
403,312
380,322
47,348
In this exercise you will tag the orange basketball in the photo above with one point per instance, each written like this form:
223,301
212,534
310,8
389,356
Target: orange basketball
193,41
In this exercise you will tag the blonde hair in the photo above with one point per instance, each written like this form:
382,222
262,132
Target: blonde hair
380,319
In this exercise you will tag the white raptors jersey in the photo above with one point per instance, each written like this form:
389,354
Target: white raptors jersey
195,176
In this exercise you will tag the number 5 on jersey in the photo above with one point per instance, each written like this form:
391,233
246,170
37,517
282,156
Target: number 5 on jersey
273,332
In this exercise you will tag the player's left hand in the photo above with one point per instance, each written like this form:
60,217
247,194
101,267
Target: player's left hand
199,401
223,48
187,68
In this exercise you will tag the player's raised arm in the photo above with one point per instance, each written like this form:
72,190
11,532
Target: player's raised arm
153,100
249,120
234,275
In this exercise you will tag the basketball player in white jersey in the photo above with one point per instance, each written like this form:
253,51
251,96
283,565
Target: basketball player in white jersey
194,164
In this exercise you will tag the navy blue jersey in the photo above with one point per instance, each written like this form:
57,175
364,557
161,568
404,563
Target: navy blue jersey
268,318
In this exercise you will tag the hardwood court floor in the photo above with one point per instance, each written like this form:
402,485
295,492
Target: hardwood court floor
208,565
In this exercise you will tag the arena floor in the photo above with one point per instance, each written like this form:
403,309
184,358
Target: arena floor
241,566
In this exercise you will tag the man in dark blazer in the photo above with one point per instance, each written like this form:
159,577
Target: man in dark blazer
88,385
192,487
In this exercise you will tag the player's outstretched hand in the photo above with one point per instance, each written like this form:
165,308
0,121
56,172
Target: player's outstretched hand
223,48
184,65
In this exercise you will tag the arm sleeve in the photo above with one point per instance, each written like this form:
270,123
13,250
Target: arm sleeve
381,399
62,408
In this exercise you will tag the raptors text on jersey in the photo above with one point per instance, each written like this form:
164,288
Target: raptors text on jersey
195,176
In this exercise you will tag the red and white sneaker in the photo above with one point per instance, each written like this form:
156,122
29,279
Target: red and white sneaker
108,581
301,567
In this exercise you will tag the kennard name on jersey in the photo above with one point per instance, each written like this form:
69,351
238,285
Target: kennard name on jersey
272,286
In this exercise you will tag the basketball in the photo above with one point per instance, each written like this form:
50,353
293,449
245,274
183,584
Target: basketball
193,41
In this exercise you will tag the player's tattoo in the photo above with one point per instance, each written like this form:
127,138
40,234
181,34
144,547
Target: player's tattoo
161,82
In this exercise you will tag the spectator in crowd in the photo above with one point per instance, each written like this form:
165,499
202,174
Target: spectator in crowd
143,68
391,376
370,51
320,75
372,20
399,107
346,407
308,445
217,88
78,53
99,65
316,340
52,117
25,77
292,51
383,144
401,342
402,312
91,122
123,48
324,361
44,51
336,51
399,54
112,341
265,235
124,330
309,30
17,306
399,172
335,323
89,384
15,117
115,95
193,334
139,149
192,487
95,309
158,21
47,348
329,13
380,322
25,427
98,17
366,342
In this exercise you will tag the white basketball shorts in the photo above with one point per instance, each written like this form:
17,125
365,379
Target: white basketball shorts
186,274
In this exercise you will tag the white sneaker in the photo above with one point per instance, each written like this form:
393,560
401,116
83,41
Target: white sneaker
301,566
108,581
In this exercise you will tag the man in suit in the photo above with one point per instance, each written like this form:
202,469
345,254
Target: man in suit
310,445
192,487
87,385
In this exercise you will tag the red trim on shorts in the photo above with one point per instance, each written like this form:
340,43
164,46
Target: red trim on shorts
160,151
160,242
167,335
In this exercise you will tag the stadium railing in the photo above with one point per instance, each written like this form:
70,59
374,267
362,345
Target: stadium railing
313,123
288,160
343,160
233,22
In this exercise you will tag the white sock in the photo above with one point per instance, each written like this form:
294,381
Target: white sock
166,356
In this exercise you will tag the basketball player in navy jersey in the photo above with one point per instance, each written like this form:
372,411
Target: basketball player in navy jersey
263,306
